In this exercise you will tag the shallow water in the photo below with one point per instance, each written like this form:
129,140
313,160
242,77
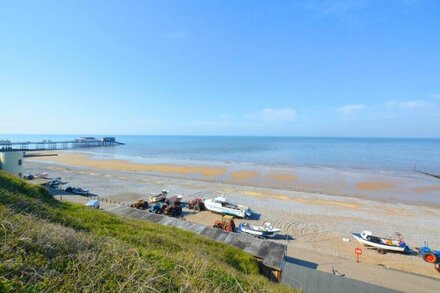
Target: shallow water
379,154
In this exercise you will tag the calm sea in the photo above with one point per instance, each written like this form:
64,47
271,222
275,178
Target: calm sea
383,154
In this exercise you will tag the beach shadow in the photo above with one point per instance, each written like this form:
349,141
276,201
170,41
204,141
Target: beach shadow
62,192
57,191
281,237
411,252
255,216
301,262
187,212
91,195
414,252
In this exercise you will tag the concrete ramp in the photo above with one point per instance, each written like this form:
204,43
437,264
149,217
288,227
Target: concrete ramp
270,253
312,281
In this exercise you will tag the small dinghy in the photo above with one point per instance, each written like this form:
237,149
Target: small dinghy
266,230
382,244
93,204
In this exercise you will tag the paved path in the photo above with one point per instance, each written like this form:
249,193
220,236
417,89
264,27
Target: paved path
374,274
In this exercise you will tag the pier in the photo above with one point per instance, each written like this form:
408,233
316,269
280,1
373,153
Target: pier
48,145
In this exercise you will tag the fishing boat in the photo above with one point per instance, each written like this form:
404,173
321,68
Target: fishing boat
266,230
159,197
77,190
80,191
222,206
382,244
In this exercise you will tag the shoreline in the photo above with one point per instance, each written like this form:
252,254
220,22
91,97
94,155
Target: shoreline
225,164
412,189
314,222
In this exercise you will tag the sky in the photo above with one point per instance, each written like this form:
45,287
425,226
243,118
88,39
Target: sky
272,68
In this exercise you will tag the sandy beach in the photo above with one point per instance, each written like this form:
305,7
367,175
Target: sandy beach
314,222
393,187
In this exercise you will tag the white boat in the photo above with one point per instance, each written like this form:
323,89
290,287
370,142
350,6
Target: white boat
93,203
77,190
222,206
158,197
381,243
259,231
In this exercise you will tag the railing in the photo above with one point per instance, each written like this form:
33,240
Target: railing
55,145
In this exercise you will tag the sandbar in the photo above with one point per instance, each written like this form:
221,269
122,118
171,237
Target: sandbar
373,186
85,160
243,175
282,177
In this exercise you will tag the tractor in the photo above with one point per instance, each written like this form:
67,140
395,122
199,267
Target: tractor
140,204
430,256
173,206
157,208
197,204
226,223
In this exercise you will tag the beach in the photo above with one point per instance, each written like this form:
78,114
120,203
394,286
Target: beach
409,187
315,212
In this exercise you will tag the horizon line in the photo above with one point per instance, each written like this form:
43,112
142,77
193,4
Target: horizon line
228,135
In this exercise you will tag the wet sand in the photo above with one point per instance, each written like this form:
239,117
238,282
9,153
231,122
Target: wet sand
373,186
80,159
408,187
315,223
282,177
244,175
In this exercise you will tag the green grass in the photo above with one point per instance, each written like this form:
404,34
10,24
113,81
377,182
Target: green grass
47,245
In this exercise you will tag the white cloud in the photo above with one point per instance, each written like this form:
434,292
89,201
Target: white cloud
436,96
283,115
414,104
390,110
350,109
351,112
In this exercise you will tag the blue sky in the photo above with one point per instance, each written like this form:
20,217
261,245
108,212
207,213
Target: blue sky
296,68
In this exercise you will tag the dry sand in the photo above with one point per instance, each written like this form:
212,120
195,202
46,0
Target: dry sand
316,223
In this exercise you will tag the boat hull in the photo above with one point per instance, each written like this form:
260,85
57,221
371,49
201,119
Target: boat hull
220,205
257,232
382,246
81,192
224,211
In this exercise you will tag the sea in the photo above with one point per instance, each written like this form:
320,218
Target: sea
379,154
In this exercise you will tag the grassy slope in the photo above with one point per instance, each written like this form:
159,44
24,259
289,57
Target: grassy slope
51,245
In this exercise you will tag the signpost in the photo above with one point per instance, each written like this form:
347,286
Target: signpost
358,252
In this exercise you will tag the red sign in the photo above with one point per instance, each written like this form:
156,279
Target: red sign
358,250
